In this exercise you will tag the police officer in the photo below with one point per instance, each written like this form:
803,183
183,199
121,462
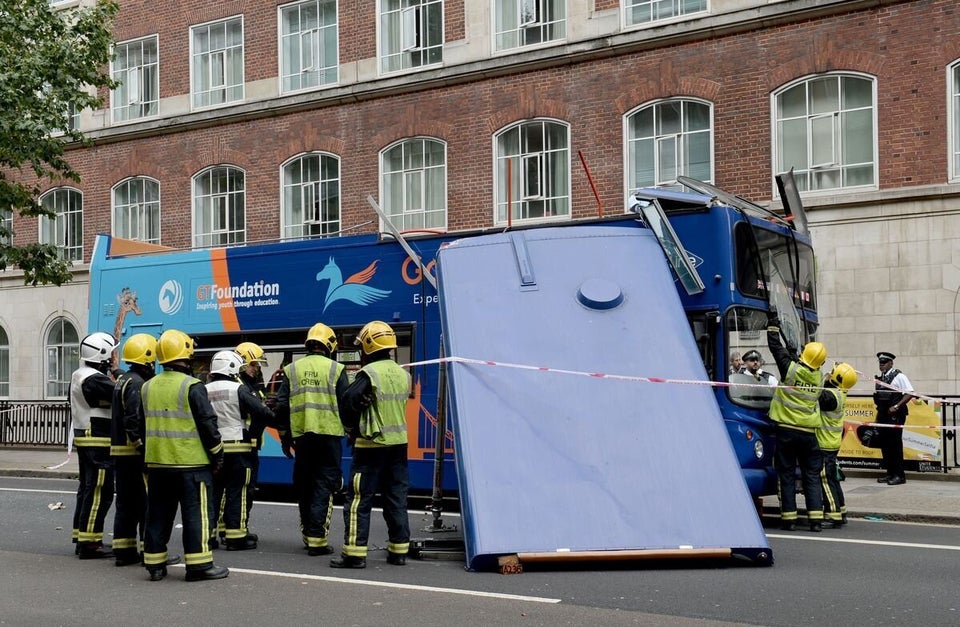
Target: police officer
830,437
892,394
182,451
91,393
374,408
235,404
126,448
752,362
796,412
308,412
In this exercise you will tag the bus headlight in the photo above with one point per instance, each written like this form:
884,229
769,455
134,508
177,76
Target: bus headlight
758,448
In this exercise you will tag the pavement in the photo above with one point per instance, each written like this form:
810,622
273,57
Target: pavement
928,497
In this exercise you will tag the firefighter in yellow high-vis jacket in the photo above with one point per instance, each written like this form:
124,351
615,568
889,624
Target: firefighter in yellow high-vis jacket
182,451
374,410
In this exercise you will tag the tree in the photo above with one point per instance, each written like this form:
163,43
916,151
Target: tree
52,64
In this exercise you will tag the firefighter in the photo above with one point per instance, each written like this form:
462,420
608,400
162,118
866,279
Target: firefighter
182,452
91,393
374,410
126,448
261,414
830,436
308,412
796,412
235,404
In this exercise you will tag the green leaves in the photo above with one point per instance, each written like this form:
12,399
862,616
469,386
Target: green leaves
51,64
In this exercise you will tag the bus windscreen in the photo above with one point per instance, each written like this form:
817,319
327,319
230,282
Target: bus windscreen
792,259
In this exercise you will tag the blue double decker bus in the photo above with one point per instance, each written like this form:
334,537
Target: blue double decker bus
723,250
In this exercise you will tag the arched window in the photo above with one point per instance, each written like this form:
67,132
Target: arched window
62,349
825,130
535,157
311,196
413,175
219,207
4,364
669,139
136,210
65,231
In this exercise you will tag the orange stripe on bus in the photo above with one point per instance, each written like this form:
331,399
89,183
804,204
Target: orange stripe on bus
221,276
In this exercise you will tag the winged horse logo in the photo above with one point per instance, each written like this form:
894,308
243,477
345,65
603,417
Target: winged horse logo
354,289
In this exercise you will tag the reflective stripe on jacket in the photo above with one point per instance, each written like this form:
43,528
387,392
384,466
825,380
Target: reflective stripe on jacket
313,396
384,422
172,439
795,402
85,430
830,433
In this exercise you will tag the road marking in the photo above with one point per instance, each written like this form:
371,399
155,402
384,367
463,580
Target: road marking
906,545
401,586
40,491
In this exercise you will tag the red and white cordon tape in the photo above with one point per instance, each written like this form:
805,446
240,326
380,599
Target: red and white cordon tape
639,379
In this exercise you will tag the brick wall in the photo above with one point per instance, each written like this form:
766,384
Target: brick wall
907,46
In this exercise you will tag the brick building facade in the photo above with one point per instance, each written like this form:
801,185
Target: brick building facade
887,245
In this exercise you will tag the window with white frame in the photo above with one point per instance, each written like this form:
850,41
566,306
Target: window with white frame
411,34
533,171
646,11
65,231
136,69
217,65
4,364
62,350
309,46
669,139
6,227
136,210
953,83
825,129
528,22
413,175
219,207
311,196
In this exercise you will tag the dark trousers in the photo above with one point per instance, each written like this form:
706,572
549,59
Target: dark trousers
192,491
833,503
254,460
384,470
316,477
891,441
94,495
798,448
131,505
231,489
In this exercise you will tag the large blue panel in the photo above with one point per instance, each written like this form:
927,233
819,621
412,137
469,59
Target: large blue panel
553,462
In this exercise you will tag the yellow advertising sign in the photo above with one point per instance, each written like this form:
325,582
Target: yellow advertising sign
921,439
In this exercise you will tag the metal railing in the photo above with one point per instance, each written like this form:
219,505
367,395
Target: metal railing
34,423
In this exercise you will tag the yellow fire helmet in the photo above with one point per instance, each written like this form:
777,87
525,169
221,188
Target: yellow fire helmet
813,355
140,349
251,353
323,334
843,376
174,345
376,336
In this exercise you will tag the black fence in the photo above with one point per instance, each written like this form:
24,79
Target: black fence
45,423
34,423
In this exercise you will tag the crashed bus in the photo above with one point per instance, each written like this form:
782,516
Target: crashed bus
732,261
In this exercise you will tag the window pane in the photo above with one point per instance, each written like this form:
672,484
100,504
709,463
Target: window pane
857,93
857,129
824,95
